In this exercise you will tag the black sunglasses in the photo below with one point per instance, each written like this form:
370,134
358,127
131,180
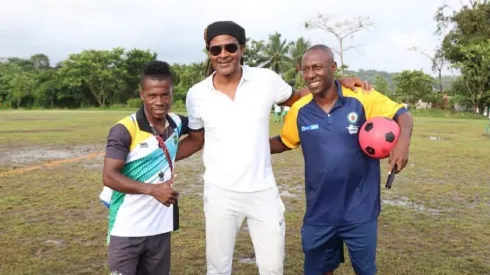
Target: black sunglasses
216,50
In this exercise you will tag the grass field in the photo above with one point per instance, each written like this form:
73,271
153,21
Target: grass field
435,220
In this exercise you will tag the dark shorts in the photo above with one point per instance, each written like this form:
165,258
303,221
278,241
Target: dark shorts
140,255
323,247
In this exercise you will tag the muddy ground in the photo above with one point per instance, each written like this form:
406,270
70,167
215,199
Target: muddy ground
16,158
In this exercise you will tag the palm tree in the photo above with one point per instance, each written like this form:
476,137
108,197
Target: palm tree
276,53
296,51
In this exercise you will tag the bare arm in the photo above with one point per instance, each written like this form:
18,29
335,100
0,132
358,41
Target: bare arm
399,154
191,144
295,96
277,146
405,121
115,180
117,149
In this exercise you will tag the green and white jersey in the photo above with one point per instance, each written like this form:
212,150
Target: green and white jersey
132,139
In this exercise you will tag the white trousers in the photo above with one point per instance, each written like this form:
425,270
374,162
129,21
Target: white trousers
224,213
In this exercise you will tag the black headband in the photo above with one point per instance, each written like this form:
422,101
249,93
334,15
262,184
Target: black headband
224,27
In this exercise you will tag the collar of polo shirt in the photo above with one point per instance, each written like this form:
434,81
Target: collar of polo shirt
245,77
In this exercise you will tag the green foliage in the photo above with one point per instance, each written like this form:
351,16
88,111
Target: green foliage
371,75
134,102
253,53
101,78
475,67
469,25
413,85
282,56
178,106
381,85
100,71
466,47
445,114
185,76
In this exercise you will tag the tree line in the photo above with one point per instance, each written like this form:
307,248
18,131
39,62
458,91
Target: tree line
102,78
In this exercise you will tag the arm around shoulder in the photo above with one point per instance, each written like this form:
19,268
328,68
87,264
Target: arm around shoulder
194,141
289,136
277,146
284,93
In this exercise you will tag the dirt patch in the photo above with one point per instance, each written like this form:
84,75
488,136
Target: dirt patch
56,130
22,156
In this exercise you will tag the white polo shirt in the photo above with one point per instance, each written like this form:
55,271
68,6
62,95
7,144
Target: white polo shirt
236,150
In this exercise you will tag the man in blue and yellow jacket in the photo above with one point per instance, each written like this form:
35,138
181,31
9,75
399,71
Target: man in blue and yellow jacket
342,182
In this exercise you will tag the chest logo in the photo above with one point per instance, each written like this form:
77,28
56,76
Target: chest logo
353,129
309,127
352,117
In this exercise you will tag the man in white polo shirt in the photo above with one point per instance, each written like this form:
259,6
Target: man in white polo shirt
229,112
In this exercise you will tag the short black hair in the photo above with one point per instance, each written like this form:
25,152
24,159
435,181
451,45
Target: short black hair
158,70
324,48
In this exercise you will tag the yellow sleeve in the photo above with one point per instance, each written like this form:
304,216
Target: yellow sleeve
377,104
289,132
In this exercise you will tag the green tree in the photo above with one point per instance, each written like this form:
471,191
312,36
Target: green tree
186,75
40,62
381,85
253,55
413,85
276,54
475,68
132,65
464,46
100,71
22,86
468,26
437,60
296,52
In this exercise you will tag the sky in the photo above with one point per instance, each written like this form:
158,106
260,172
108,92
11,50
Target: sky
174,29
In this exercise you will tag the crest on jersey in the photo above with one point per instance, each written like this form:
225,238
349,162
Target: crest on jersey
352,117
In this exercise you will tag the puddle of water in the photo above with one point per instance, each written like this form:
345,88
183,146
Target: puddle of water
40,154
405,203
27,155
